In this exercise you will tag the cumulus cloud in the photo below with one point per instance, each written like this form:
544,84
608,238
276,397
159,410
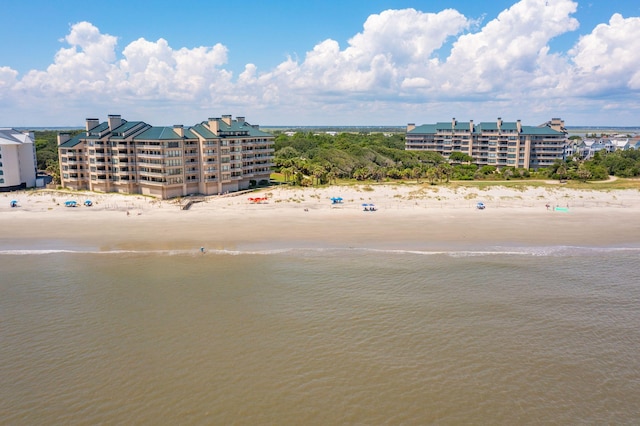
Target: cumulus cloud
394,45
81,68
399,61
607,58
8,78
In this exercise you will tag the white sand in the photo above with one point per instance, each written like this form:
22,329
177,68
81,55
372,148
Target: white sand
407,215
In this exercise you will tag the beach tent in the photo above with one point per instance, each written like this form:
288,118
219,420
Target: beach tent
88,203
480,206
14,203
336,200
70,203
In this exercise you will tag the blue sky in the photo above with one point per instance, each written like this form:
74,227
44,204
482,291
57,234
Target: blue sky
366,62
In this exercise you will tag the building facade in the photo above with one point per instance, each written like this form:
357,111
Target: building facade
213,157
500,143
17,160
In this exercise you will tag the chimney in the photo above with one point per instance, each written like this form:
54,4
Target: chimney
410,127
471,126
240,119
115,121
227,119
499,122
92,122
519,126
63,137
453,123
214,126
179,130
557,124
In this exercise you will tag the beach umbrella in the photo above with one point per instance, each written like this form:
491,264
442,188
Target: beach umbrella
88,203
14,203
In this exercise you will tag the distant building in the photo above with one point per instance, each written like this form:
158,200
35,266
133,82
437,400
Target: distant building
215,156
17,160
500,143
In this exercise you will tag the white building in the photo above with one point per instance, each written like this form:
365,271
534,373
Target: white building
17,159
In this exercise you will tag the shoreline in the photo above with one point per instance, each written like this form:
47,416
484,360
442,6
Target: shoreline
407,217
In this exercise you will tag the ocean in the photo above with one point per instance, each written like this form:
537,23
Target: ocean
318,336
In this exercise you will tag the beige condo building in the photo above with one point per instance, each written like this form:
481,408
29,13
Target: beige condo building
213,157
499,143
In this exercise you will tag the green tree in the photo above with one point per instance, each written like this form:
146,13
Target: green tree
53,170
416,173
445,171
583,173
432,175
318,173
459,157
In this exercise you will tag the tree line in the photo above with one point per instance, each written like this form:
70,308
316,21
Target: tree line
307,158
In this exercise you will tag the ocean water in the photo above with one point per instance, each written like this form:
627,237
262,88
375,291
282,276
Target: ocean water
531,335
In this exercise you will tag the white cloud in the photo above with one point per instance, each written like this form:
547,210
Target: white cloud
81,68
402,63
608,58
511,52
8,78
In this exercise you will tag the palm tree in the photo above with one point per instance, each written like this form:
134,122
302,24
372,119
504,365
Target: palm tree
416,173
361,173
318,173
432,175
445,170
287,172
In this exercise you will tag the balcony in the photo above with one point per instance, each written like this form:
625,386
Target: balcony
147,155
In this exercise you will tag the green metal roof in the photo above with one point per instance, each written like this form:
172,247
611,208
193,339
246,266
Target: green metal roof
162,133
204,131
543,130
73,141
188,134
510,125
487,126
423,129
100,128
480,127
241,126
463,125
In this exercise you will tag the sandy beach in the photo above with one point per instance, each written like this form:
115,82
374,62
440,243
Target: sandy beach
407,216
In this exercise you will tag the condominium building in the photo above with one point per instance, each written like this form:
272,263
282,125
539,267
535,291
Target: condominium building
213,157
17,159
499,143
